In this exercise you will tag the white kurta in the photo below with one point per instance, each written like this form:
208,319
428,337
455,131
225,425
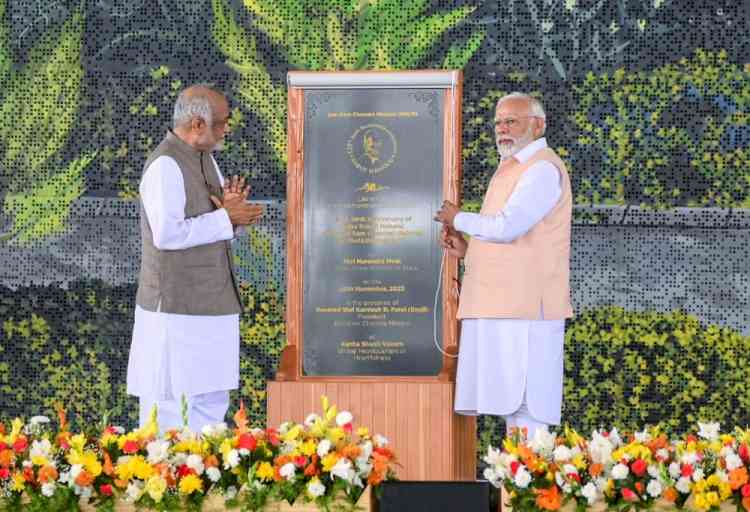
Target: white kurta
502,359
173,355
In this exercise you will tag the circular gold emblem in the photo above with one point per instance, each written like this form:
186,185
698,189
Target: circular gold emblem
372,148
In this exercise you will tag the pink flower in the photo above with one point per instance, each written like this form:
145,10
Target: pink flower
629,495
105,489
639,467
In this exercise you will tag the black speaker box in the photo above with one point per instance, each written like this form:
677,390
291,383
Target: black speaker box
403,496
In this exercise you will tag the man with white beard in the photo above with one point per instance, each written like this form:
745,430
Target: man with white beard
186,332
515,294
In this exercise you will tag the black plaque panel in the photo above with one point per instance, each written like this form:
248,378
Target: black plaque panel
373,180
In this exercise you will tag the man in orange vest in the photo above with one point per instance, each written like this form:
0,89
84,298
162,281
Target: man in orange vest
515,294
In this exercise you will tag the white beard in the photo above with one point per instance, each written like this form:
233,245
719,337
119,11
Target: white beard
508,150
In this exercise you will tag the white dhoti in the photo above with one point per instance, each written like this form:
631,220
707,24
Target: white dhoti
503,361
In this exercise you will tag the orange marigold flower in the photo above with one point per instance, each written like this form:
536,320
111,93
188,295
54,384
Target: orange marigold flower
746,503
108,468
670,494
6,458
596,469
84,479
28,475
47,474
548,499
122,484
351,451
738,477
375,478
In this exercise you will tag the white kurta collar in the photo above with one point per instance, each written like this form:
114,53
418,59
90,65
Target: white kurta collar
528,151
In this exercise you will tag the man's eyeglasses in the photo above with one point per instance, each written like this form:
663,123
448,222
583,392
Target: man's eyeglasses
509,122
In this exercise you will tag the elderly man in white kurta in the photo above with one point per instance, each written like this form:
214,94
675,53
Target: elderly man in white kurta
515,294
186,332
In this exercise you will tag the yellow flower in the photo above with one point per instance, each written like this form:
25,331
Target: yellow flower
265,471
190,484
336,434
77,442
155,487
293,433
194,446
130,436
18,482
308,448
329,461
135,467
39,460
363,432
15,429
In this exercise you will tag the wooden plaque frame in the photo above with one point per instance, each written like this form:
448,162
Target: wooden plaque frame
425,402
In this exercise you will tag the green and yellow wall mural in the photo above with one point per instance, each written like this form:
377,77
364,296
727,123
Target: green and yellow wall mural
647,101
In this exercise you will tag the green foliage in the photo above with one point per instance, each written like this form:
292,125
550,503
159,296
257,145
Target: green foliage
40,103
329,35
44,210
628,369
675,135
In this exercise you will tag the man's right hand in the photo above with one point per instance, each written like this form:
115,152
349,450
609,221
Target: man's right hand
453,242
240,213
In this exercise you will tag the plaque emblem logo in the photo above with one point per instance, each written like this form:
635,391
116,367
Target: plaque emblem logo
372,148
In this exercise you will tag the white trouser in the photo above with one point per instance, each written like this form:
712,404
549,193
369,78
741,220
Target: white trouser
522,418
202,410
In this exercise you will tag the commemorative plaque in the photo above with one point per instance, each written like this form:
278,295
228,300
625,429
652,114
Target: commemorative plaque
373,180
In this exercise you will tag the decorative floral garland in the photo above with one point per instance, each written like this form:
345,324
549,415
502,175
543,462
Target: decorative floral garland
625,472
319,461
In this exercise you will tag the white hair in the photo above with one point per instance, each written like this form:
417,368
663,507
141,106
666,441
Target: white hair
536,109
192,104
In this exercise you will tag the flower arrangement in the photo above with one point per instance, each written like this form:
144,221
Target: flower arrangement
704,470
321,461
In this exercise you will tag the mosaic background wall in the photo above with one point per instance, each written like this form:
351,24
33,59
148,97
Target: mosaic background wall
648,101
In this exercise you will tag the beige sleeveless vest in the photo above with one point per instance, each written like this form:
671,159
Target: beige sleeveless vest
195,281
530,274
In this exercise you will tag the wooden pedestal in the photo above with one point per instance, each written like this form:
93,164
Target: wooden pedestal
430,441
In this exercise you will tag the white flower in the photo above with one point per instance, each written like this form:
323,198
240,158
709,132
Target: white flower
683,485
723,476
230,493
287,470
344,418
324,447
213,474
570,4
543,442
614,438
75,470
365,452
698,474
315,488
134,491
232,460
491,476
642,437
64,477
620,471
311,419
547,25
590,493
158,451
40,448
708,431
662,454
733,461
195,462
39,420
689,458
214,430
570,469
48,489
674,470
562,453
380,441
654,488
493,456
343,469
653,470
600,449
522,478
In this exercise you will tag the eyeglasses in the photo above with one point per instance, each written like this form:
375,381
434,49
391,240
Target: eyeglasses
509,122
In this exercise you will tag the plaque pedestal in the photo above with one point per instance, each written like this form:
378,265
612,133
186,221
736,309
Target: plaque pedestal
430,442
